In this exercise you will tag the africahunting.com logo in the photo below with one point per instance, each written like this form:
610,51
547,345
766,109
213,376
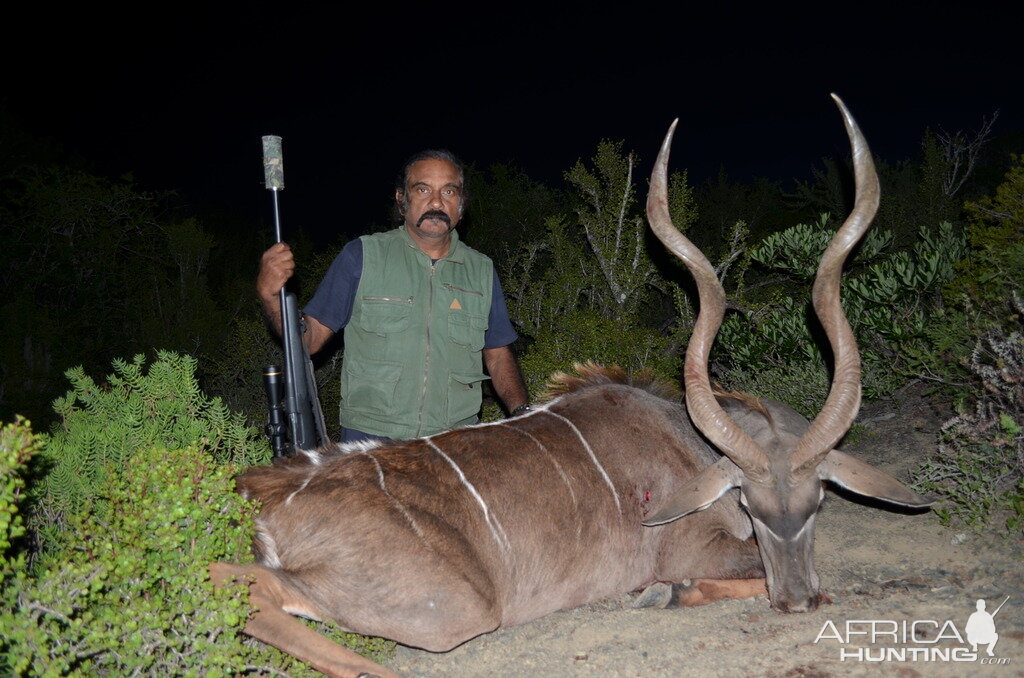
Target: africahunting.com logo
917,640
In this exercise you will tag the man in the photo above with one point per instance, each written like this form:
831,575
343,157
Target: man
419,309
981,628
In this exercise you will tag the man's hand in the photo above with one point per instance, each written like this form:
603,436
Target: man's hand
276,266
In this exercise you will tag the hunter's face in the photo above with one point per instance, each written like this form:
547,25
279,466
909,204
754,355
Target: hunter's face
432,203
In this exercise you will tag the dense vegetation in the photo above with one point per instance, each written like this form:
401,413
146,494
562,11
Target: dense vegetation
134,504
126,497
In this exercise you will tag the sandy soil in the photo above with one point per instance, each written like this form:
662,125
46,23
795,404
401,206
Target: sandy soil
875,565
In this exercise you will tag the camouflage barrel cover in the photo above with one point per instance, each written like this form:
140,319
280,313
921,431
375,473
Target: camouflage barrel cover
273,163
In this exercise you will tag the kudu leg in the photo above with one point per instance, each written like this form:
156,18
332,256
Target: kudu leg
704,591
694,592
694,571
271,624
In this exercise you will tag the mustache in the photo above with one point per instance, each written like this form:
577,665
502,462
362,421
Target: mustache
435,214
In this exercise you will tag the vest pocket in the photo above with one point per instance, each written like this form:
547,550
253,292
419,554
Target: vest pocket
467,330
370,386
464,395
385,315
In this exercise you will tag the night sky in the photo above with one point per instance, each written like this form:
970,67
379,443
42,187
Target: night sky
180,95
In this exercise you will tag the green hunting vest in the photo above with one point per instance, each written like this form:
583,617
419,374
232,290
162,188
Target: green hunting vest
413,364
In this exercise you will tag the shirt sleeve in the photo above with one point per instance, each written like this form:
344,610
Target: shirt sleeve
499,328
334,298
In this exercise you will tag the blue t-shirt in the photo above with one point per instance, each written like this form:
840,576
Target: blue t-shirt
333,301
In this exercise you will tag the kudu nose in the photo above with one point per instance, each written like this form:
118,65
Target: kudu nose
797,604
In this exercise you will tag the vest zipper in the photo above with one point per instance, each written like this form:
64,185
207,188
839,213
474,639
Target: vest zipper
450,287
426,358
404,300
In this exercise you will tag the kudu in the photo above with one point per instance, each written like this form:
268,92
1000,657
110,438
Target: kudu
433,541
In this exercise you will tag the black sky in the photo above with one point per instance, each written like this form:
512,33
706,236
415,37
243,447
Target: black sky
180,95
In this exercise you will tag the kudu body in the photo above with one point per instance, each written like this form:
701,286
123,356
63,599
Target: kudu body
433,541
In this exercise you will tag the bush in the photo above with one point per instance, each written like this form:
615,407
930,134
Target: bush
774,349
101,426
18,445
130,593
980,463
583,335
124,588
979,466
975,301
588,289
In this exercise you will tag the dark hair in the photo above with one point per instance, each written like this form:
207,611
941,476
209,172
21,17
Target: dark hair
430,154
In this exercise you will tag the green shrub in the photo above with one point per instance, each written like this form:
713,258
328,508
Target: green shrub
236,369
889,299
587,287
979,466
583,335
974,348
130,593
125,590
996,232
101,426
18,445
974,301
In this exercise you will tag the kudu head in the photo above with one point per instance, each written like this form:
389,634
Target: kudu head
778,463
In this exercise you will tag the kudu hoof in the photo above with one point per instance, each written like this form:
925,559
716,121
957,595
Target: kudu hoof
658,595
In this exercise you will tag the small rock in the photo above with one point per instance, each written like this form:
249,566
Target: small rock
868,589
580,656
959,538
885,416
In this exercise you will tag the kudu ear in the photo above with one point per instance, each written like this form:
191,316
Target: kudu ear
699,493
866,480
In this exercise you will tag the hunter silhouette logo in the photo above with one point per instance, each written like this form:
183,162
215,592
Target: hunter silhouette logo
981,627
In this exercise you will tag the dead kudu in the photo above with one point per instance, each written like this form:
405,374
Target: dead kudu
431,542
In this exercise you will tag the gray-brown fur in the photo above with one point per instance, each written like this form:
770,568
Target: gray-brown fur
336,533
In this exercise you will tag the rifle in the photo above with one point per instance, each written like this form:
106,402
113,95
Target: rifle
295,419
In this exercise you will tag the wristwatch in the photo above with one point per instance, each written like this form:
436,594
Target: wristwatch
522,409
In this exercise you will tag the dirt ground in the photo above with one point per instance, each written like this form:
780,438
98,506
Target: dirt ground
890,568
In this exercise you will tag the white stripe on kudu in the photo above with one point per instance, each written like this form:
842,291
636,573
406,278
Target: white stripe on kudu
558,467
593,457
497,531
394,500
309,476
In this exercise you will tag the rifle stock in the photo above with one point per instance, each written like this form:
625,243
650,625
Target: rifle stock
299,390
